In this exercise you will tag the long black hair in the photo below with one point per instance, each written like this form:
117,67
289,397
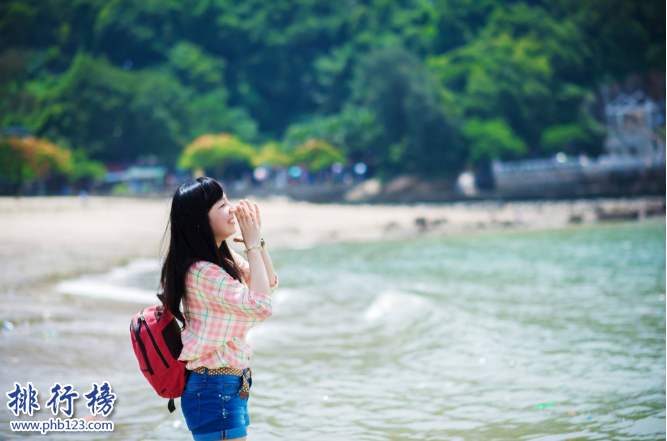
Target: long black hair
191,238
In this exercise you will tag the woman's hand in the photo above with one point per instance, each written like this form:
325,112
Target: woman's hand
248,211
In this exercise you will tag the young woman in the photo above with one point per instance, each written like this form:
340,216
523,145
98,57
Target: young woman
223,297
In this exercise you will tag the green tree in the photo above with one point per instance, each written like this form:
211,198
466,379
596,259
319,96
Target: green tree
24,159
521,67
419,136
83,168
491,139
271,153
121,79
215,152
317,155
355,130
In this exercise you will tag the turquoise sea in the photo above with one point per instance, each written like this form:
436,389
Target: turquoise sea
540,335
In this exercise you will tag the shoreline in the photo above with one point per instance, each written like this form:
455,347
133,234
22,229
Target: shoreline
48,239
44,240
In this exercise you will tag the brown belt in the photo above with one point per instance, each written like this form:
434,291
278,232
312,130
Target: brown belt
226,370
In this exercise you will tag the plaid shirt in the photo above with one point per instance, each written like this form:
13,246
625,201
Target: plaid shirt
219,311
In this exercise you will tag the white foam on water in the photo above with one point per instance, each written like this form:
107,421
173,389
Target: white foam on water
114,284
396,305
101,291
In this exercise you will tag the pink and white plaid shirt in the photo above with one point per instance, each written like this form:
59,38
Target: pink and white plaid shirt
219,311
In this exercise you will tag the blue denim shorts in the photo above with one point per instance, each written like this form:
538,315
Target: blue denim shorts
213,408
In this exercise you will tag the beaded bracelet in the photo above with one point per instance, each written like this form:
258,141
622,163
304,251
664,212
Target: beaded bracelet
261,247
245,250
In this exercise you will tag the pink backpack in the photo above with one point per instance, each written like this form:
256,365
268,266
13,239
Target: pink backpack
156,338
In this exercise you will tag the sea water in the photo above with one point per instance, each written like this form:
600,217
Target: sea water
534,335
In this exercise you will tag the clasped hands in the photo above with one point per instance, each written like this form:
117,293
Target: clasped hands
250,222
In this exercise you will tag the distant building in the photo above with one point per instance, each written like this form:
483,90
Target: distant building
633,163
632,126
557,176
137,179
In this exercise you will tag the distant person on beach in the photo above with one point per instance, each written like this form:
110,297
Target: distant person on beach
222,298
83,194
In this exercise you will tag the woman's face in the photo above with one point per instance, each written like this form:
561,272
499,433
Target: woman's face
222,221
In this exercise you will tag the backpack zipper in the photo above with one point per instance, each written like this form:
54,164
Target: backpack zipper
142,347
154,342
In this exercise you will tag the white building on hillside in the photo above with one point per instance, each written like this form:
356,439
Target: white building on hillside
632,127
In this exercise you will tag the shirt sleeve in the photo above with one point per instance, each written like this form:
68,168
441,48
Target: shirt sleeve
232,294
245,267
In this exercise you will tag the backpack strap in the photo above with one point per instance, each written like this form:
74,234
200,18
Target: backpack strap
171,406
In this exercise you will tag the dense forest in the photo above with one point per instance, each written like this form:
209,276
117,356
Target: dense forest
426,87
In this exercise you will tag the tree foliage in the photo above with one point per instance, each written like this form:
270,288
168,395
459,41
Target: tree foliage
24,159
406,86
27,158
215,152
317,154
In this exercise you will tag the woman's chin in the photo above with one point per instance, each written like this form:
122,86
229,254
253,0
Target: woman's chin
231,231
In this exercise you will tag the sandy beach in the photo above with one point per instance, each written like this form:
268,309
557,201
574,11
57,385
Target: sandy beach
43,240
46,239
